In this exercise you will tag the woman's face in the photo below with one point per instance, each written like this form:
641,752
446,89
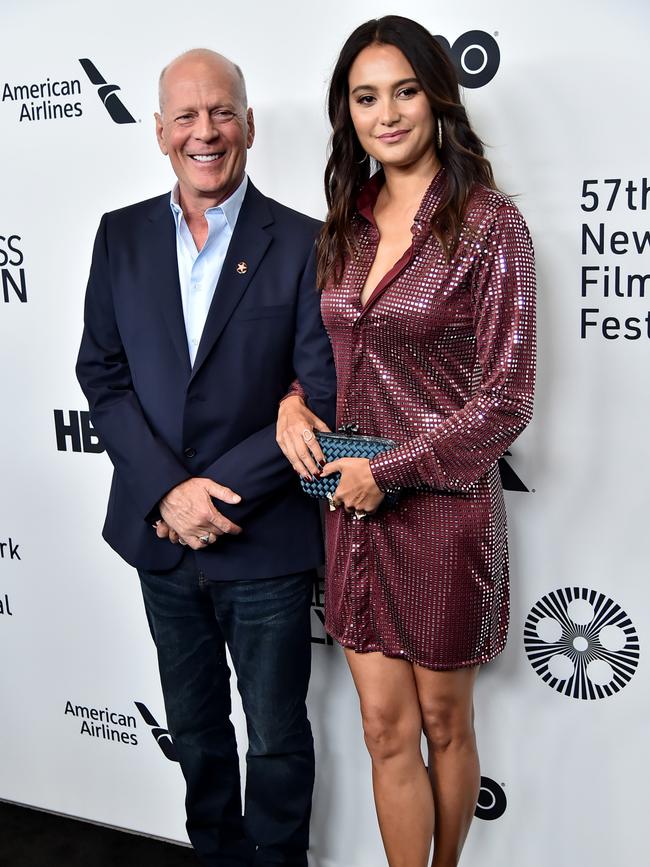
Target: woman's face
390,111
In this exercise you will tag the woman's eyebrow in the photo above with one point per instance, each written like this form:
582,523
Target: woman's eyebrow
396,84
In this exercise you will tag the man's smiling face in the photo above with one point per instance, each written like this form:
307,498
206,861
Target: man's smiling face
205,128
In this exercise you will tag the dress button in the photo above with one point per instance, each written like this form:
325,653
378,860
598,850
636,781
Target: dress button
189,453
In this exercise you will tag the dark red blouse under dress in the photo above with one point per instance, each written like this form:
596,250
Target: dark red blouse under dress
440,359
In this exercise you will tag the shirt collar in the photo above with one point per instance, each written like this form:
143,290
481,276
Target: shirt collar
367,198
368,195
230,208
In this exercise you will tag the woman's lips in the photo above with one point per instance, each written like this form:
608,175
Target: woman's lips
394,136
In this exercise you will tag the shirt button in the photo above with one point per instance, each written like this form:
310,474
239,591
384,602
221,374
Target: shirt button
190,452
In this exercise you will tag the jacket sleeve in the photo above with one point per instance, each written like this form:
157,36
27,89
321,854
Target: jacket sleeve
146,464
467,443
256,467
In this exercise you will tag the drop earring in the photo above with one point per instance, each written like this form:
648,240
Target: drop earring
439,134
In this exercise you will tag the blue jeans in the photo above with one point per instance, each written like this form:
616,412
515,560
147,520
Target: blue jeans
265,624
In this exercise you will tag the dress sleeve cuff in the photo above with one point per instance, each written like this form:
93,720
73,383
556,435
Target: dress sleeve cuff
295,390
393,470
407,466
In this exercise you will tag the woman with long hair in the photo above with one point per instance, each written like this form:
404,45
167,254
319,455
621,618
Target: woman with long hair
429,301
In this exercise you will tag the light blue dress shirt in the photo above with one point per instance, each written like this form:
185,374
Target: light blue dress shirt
198,271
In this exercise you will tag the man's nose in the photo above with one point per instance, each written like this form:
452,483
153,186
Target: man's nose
205,127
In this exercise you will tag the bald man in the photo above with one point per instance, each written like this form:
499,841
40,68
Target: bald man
201,309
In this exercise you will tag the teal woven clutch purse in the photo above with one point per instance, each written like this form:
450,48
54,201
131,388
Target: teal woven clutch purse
345,444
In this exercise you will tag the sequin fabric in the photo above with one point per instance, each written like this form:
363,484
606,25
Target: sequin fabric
440,359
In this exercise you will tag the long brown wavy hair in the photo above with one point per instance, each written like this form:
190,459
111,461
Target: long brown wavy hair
347,169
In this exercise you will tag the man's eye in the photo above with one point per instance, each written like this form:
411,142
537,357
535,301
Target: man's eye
224,115
184,117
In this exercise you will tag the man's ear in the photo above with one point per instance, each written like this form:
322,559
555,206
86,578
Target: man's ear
159,133
250,123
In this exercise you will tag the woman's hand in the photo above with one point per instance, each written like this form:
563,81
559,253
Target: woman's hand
357,490
295,436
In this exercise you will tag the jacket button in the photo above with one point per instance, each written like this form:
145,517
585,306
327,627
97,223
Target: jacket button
189,453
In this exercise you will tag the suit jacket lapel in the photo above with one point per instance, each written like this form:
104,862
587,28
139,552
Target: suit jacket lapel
162,247
248,245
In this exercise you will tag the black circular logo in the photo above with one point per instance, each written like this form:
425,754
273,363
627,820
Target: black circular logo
581,643
475,56
492,800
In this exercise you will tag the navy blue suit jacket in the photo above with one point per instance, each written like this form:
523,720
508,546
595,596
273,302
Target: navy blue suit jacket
163,421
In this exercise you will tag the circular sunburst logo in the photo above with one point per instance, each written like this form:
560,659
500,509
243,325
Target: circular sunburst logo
581,643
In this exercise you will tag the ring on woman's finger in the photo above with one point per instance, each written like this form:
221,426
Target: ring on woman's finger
333,505
205,540
359,514
307,435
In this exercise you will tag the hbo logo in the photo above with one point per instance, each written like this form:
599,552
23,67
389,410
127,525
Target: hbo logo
475,55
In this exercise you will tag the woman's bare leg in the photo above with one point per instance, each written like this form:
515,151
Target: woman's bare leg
392,725
446,702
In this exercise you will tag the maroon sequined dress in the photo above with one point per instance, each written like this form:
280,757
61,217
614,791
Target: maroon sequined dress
440,359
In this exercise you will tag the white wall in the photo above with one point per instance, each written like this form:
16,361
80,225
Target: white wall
566,105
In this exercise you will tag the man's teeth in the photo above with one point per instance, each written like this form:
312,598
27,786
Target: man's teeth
205,158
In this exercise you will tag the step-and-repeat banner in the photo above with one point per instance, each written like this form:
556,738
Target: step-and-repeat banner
557,91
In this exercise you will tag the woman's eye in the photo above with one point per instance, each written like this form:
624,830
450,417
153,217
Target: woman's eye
408,92
366,100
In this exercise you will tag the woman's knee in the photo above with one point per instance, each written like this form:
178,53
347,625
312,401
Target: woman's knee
389,733
448,723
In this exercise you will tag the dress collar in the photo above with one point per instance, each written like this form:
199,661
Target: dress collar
367,200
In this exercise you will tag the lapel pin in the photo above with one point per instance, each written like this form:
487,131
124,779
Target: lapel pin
242,267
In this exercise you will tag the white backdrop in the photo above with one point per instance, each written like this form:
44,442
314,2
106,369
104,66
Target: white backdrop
566,106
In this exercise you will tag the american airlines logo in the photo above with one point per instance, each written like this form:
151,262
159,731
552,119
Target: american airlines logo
107,93
161,735
55,97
